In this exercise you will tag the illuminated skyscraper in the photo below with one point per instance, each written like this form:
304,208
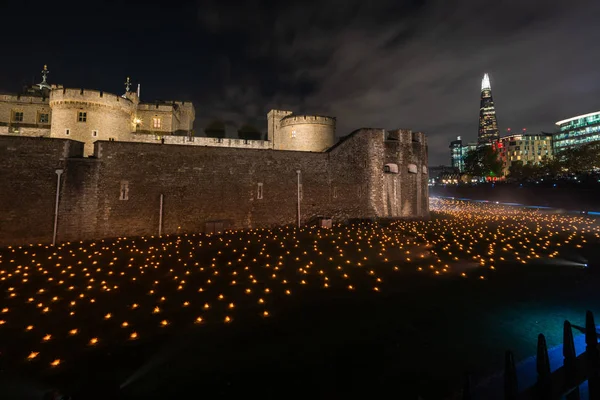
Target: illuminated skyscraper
488,125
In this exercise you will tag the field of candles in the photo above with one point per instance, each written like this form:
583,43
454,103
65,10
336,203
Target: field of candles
363,308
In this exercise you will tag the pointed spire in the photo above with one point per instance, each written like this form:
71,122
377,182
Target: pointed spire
485,82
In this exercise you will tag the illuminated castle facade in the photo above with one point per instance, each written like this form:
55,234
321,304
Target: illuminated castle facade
84,164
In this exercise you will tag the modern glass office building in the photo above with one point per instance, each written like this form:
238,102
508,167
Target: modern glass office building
577,131
458,152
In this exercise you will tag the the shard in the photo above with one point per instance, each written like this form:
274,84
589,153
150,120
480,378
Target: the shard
488,125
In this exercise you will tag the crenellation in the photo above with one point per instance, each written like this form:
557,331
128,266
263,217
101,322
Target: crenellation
107,144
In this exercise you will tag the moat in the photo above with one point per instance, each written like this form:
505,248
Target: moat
368,309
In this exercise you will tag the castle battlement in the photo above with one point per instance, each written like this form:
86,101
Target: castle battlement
70,95
166,106
15,98
306,119
406,136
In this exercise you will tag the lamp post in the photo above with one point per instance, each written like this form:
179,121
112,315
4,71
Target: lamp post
160,215
58,174
298,191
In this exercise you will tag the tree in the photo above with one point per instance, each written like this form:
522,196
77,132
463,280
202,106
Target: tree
524,172
483,161
215,129
249,132
580,159
550,167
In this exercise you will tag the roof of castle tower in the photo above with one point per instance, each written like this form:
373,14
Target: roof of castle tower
306,115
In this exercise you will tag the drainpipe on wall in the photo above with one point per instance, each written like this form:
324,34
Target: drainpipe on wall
58,174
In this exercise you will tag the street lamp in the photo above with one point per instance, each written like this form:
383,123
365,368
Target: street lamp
58,174
298,191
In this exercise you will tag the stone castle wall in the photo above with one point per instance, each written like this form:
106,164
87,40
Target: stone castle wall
404,193
305,133
107,116
28,179
31,107
117,193
200,141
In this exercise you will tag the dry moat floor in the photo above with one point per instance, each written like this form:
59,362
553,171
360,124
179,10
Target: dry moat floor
377,310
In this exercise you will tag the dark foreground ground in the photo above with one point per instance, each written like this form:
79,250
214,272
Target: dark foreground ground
417,333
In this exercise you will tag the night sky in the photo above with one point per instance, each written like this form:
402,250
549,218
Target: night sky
397,64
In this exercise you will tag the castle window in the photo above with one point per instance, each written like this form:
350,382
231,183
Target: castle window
82,116
293,133
94,133
124,192
156,123
259,194
390,168
67,132
18,116
335,190
43,118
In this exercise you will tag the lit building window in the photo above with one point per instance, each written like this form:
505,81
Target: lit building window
293,133
156,123
82,116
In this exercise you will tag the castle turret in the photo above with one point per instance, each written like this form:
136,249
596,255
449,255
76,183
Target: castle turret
288,131
90,115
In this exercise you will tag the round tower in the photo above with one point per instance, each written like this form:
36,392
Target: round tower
305,133
89,115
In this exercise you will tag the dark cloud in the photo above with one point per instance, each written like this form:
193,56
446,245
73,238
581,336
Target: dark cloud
419,64
391,63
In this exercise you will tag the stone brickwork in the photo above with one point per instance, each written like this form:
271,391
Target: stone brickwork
24,114
55,112
201,141
117,193
90,115
404,193
28,181
174,117
27,132
288,131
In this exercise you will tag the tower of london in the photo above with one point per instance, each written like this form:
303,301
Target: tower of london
105,165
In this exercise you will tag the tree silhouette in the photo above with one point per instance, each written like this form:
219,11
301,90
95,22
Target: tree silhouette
483,161
249,132
215,129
